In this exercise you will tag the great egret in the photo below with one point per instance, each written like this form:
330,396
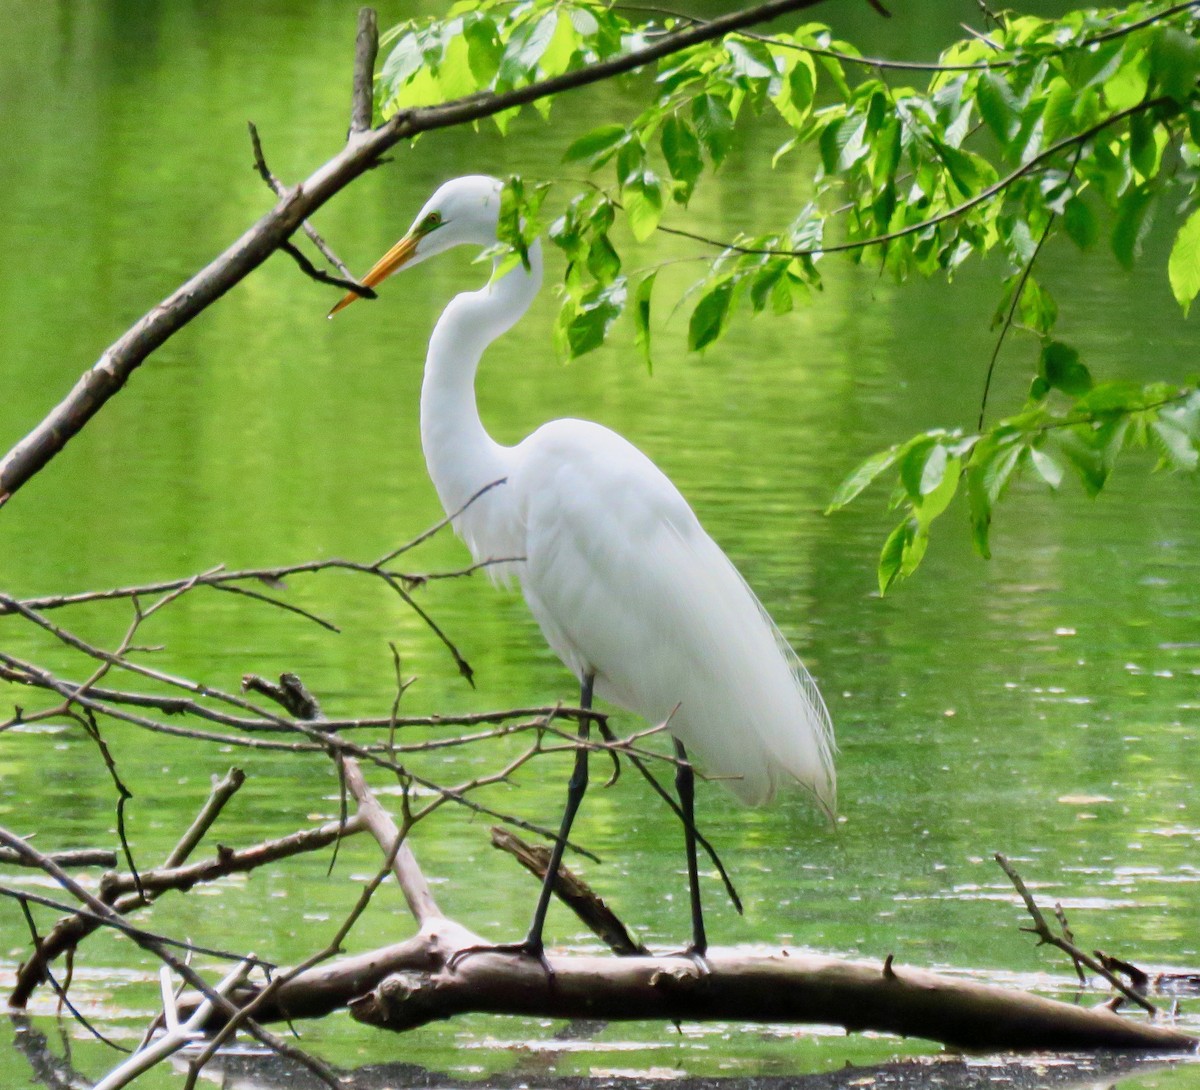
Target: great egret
630,592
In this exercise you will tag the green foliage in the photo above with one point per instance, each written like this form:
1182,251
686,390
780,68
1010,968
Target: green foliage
1085,427
1077,131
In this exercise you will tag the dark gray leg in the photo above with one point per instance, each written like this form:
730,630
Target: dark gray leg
533,945
575,790
685,785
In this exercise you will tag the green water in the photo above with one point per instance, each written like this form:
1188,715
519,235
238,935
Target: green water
1045,704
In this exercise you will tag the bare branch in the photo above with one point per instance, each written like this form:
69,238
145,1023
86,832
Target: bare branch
785,986
1045,935
574,892
348,282
392,840
118,362
366,46
82,857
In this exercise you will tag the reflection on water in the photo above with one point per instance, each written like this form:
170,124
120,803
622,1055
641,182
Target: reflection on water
1043,704
253,1070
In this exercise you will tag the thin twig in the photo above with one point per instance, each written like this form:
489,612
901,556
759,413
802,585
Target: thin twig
347,281
1047,937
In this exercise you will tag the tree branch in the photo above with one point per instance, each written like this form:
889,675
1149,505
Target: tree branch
363,151
366,46
783,987
1042,930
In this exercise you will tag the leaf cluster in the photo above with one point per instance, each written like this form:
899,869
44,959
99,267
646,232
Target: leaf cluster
1074,131
1070,422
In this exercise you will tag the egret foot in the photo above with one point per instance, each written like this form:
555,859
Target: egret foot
527,949
696,955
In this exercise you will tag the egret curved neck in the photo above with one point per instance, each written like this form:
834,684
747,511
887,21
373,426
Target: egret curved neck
460,454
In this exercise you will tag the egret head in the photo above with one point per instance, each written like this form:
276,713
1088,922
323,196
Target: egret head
462,211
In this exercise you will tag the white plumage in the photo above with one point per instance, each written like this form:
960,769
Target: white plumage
623,580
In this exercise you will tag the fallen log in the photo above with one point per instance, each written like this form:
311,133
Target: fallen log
782,987
441,972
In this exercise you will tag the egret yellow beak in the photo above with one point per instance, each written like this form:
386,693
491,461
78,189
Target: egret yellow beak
383,268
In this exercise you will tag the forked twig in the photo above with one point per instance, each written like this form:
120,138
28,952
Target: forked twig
1047,937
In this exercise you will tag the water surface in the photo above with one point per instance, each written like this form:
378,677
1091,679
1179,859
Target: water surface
1044,704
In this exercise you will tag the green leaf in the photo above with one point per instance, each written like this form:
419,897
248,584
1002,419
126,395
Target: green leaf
525,48
711,316
643,200
934,470
1175,63
981,514
713,122
1134,216
1046,467
801,86
597,146
938,498
603,262
583,326
1112,397
1177,447
1183,268
861,477
1059,365
997,468
751,60
991,466
1143,151
997,106
681,150
484,50
1080,222
902,552
1037,306
914,455
1056,115
641,317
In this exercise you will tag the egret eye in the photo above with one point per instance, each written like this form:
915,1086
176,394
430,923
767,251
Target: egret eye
434,219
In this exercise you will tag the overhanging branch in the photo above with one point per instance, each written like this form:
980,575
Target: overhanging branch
363,151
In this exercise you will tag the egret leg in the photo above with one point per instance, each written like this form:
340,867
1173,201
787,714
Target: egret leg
576,787
533,945
685,786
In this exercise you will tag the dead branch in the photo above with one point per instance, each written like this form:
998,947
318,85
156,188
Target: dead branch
366,46
347,281
80,857
392,840
781,987
574,892
120,896
363,151
1047,937
223,790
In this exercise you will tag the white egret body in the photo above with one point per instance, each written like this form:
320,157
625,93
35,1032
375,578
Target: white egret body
626,585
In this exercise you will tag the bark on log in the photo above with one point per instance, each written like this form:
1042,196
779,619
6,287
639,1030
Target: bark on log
783,987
